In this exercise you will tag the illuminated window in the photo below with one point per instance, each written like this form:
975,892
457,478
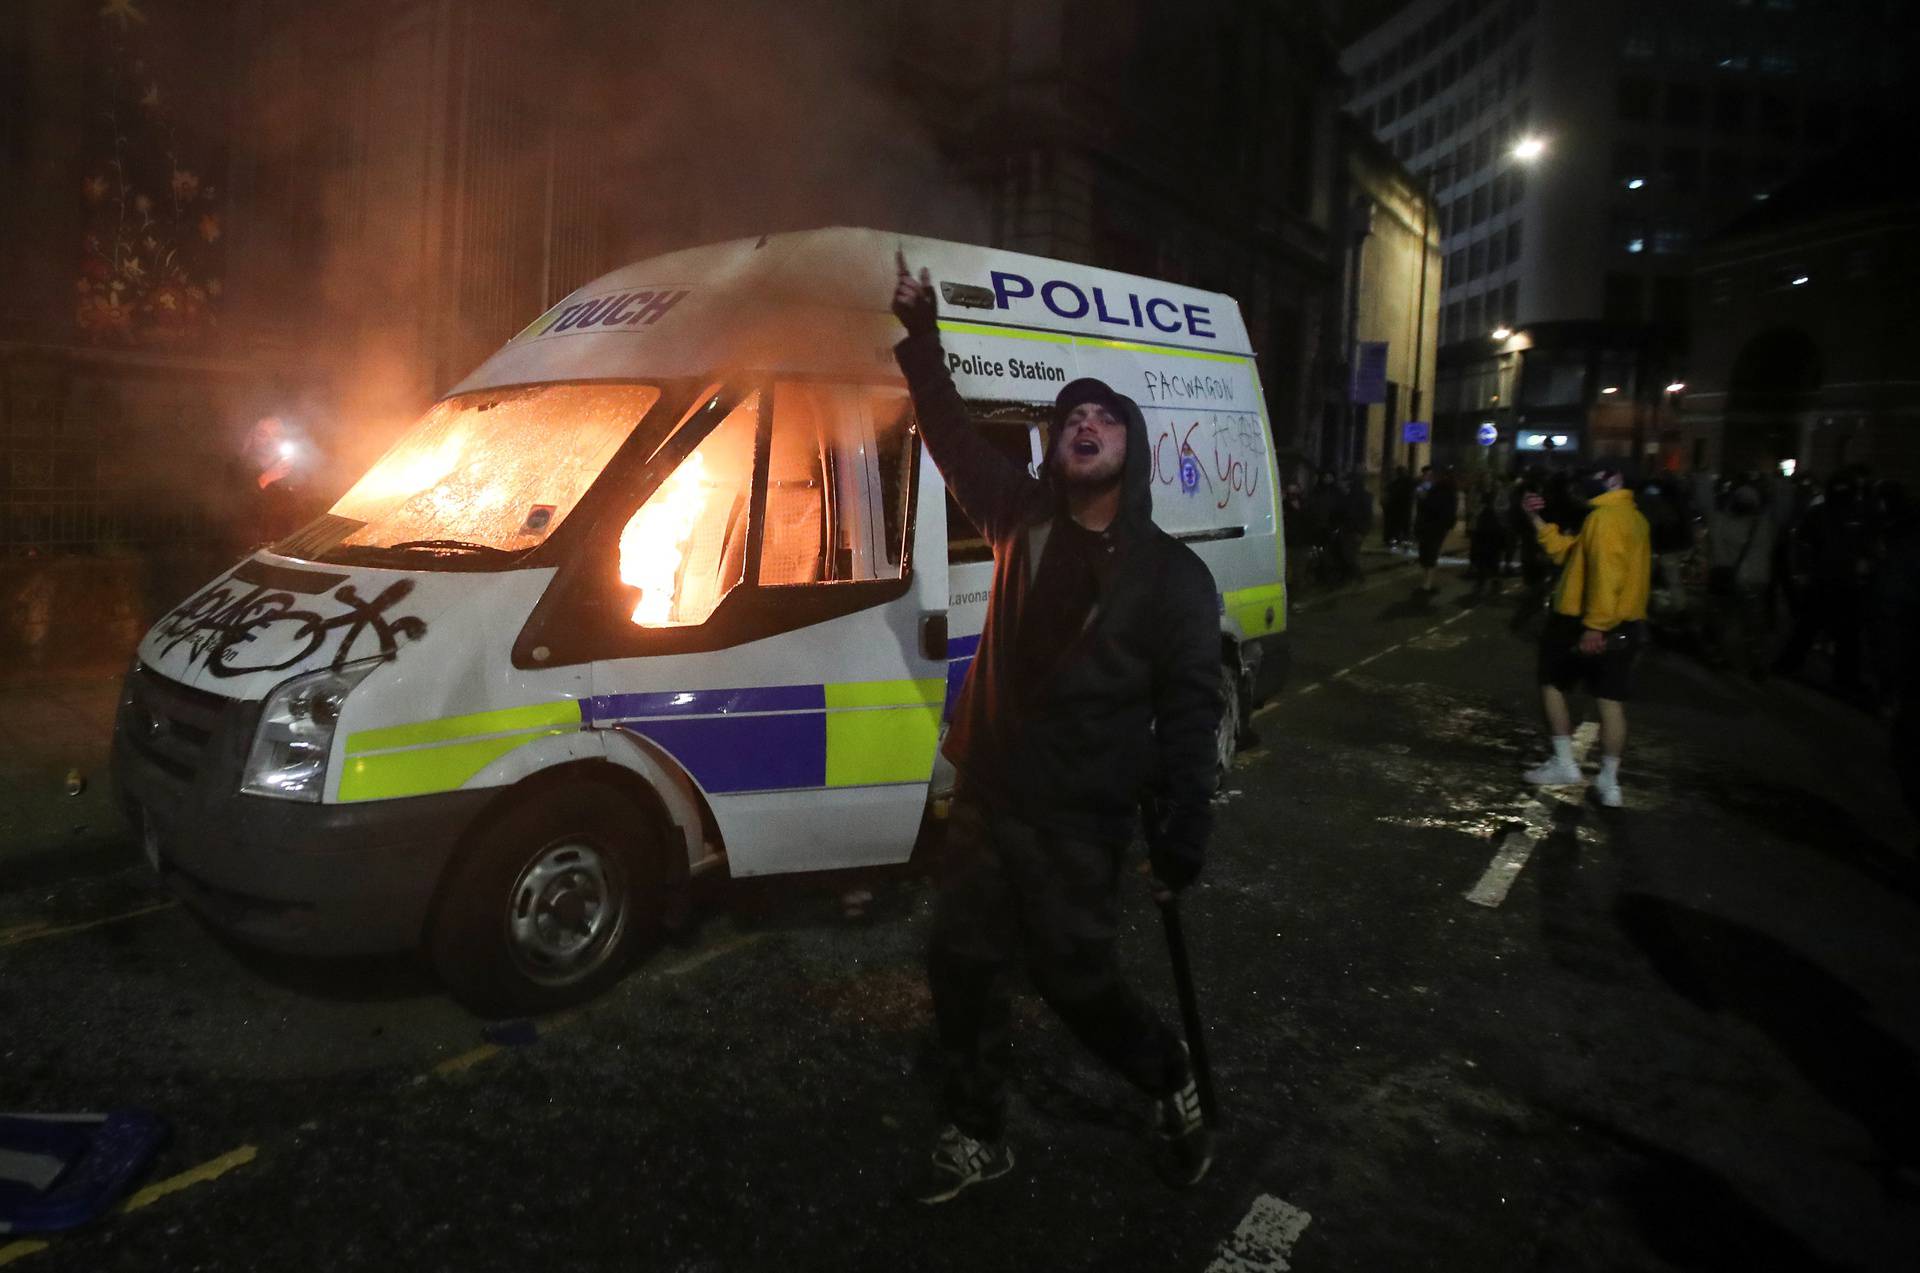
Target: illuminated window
685,548
496,471
838,485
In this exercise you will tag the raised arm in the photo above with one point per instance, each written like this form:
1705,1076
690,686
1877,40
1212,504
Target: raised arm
1556,542
994,491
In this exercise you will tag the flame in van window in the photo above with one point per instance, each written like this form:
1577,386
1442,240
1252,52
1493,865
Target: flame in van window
653,545
685,548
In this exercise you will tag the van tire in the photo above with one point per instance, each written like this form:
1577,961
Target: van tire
549,902
1233,723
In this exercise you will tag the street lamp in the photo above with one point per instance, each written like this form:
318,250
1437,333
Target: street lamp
1528,149
1678,386
1501,332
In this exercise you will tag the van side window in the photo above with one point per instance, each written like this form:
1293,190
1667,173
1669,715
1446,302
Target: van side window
1014,429
685,548
839,476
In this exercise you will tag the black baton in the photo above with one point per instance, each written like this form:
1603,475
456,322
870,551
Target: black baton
1189,1010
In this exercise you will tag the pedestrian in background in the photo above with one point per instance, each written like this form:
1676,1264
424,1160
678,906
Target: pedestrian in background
1359,523
1835,541
1487,544
1599,612
1397,508
1740,554
1436,509
1095,691
1894,628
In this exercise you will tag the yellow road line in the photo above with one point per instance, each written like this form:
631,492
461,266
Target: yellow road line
23,933
212,1169
708,956
487,1051
466,1060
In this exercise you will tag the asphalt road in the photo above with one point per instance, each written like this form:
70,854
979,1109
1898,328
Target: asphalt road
1682,1034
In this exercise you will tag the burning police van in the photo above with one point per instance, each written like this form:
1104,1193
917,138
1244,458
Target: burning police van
669,583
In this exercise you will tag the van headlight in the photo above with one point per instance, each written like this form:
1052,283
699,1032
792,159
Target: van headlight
295,735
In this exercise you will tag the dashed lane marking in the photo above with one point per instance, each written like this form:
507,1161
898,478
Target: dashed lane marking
1264,1239
1333,676
1518,846
20,934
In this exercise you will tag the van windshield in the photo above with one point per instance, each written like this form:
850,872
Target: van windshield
480,478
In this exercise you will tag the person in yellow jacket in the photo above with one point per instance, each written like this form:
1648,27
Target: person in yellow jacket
1599,614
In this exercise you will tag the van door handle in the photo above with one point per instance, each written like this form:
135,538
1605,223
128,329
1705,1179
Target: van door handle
933,635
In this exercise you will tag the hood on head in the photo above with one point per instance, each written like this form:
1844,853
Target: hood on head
1136,475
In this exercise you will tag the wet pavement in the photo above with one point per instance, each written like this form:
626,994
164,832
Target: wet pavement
1687,1036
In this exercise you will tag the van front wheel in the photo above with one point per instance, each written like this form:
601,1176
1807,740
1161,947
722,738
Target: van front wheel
548,902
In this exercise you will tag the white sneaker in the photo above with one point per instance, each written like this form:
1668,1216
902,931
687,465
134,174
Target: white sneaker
1608,789
1553,773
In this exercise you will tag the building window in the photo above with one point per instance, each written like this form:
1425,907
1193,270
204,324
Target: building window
1726,170
1426,133
1513,243
1633,97
1627,231
1629,161
1496,253
1480,200
1476,261
1776,116
1429,85
1671,238
1456,267
1620,297
1729,109
1686,105
1510,302
1680,170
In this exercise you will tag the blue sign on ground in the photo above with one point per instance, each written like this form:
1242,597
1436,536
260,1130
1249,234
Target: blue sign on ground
1415,431
1488,434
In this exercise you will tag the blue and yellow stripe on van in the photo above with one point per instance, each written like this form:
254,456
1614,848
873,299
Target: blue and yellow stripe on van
789,737
759,738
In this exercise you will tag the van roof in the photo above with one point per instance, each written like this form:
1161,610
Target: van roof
783,301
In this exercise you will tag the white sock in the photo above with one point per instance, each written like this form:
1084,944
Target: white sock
1610,769
1563,749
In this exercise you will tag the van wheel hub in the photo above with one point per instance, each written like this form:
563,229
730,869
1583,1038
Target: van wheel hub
564,913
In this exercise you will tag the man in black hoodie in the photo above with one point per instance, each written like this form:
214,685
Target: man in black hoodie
1095,696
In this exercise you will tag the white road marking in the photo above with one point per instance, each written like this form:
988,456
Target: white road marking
1264,1239
1518,846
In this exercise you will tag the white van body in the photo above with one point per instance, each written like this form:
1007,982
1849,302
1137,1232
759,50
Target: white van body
796,727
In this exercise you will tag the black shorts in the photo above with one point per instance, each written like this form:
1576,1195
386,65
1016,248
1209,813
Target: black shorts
1608,674
1430,538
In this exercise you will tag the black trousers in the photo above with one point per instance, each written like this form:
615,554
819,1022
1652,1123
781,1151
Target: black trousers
1013,893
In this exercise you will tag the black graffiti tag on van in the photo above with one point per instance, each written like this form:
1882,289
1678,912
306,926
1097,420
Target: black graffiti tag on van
218,625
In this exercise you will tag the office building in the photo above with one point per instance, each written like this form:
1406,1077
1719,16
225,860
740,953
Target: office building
1579,153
